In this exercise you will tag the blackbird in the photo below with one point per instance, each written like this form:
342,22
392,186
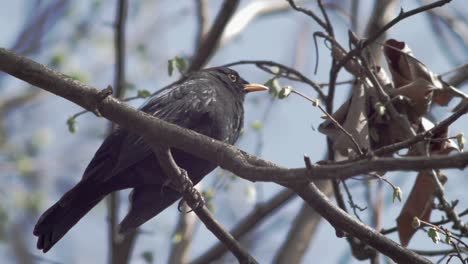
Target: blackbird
209,102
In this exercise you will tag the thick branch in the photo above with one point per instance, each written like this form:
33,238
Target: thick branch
227,156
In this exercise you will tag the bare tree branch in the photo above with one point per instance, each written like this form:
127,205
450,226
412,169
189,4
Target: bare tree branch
184,230
210,42
182,181
302,231
343,221
202,19
120,246
246,225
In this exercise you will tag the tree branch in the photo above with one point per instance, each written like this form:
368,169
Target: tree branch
120,246
154,130
210,42
246,225
192,197
343,221
302,231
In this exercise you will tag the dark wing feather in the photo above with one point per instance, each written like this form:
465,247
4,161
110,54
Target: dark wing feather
183,105
146,202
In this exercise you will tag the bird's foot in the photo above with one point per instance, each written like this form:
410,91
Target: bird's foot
195,199
103,94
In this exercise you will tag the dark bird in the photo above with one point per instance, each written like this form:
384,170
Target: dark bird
209,102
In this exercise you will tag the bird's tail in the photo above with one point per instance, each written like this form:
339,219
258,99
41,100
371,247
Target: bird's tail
63,215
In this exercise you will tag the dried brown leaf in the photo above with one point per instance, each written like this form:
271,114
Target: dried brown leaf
418,204
406,69
419,92
353,117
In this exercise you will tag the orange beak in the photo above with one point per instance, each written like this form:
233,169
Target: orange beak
252,87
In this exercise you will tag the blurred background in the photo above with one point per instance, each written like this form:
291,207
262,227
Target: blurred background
40,158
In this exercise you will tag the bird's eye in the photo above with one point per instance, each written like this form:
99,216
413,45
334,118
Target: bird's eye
232,77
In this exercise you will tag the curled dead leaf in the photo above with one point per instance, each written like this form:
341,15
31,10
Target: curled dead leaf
406,69
419,92
353,117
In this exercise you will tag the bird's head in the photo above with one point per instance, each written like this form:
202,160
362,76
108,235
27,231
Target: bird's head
231,79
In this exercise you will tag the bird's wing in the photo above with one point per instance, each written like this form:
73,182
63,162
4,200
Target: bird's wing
146,202
187,105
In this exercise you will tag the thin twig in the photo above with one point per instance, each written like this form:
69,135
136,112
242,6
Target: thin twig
309,13
285,72
335,122
353,205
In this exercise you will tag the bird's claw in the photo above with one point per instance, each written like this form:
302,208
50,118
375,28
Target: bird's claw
195,200
103,94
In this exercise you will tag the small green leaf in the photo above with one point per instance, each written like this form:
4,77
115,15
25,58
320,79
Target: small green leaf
176,63
148,256
448,241
461,141
433,234
274,86
170,67
71,122
285,92
33,202
41,138
57,60
257,125
208,194
416,223
177,238
380,108
143,93
397,193
181,64
250,194
79,76
24,165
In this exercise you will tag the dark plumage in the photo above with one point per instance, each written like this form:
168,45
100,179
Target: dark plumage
209,102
